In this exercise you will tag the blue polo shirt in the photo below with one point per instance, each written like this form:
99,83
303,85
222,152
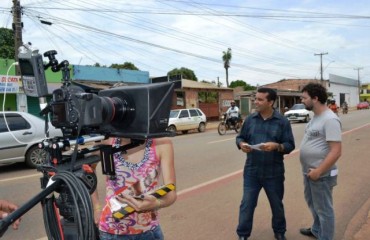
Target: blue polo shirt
256,130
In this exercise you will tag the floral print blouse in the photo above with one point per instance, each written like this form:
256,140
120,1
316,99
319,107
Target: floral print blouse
133,179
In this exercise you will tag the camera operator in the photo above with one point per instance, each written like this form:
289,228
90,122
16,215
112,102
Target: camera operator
6,208
232,113
137,174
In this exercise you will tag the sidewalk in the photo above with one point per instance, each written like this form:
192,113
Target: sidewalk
359,227
364,232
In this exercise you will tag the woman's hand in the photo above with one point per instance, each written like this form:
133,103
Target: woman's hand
142,203
97,213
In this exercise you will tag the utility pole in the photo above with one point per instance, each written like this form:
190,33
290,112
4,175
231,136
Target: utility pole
321,71
17,28
358,79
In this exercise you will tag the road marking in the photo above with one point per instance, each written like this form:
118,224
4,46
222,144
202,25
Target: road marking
223,140
239,172
213,181
228,139
216,180
355,129
19,178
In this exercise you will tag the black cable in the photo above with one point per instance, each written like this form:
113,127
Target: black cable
50,219
73,191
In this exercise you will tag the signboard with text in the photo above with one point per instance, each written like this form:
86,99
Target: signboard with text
12,84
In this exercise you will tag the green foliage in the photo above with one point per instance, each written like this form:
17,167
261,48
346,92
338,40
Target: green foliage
243,84
210,82
125,65
249,87
7,43
208,97
226,58
184,72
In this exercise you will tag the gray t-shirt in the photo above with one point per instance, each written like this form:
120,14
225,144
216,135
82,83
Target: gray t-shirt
322,129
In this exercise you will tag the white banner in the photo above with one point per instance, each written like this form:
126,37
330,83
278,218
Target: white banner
12,84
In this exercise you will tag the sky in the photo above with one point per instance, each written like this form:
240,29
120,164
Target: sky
270,40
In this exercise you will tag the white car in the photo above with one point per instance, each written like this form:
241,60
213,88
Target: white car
299,113
28,131
187,119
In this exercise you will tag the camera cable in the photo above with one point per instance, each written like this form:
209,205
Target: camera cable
74,192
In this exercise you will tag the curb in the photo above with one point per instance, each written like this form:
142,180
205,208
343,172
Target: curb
212,125
359,226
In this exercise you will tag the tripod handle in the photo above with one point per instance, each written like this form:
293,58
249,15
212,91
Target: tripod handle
12,217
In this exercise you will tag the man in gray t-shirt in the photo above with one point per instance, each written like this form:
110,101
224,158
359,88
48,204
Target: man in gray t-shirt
322,129
320,149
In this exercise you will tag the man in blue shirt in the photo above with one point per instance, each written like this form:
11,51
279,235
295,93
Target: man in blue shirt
266,136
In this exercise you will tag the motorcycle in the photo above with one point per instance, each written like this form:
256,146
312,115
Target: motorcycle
344,110
226,125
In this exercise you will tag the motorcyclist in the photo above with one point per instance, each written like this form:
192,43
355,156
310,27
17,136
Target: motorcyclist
333,106
232,113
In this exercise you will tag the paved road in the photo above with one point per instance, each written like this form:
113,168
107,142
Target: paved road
209,182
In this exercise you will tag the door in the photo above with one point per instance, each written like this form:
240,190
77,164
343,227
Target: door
184,120
22,130
195,118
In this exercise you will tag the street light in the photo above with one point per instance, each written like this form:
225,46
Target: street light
327,65
359,83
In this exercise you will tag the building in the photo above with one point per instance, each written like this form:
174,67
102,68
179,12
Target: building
365,92
89,78
344,89
339,88
210,98
213,100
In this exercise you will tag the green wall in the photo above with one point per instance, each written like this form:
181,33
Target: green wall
32,102
51,76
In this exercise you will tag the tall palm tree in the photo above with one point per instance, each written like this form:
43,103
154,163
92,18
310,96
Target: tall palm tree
226,57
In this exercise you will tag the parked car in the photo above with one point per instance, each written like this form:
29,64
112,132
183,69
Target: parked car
363,105
299,113
29,131
187,119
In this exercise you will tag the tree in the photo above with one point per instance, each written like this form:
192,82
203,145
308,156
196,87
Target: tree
243,84
125,65
7,43
226,57
184,72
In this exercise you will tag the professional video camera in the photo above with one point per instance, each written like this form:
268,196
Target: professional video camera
135,112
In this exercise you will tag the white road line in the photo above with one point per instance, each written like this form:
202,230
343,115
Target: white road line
209,182
223,140
196,187
187,190
228,139
19,178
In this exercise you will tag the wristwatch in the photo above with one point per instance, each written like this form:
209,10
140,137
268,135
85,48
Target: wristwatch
280,148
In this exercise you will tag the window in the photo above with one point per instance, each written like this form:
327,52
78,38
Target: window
193,113
14,122
199,112
174,113
184,114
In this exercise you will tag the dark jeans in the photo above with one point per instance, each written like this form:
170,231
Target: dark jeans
232,121
274,188
155,234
